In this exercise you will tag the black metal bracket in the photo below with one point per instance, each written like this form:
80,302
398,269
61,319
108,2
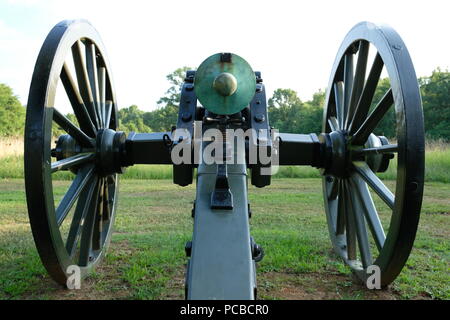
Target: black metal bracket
260,123
221,197
183,173
188,104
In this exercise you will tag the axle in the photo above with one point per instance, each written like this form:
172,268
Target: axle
330,152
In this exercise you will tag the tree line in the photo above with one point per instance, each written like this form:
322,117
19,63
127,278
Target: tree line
287,112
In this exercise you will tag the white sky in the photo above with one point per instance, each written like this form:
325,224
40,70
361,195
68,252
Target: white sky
293,43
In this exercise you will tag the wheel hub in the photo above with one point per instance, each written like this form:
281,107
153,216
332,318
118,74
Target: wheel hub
337,158
109,149
339,154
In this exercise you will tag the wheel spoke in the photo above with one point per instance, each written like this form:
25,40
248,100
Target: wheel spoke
341,210
360,224
82,114
332,188
98,224
360,76
106,202
348,84
333,123
366,98
350,227
72,161
108,113
72,129
338,88
388,148
363,133
375,183
83,82
88,228
83,205
72,194
102,88
91,67
370,212
112,179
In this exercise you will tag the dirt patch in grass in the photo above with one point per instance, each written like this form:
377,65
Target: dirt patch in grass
439,212
317,286
107,282
104,284
175,287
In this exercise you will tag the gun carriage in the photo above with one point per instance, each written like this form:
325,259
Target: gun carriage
222,254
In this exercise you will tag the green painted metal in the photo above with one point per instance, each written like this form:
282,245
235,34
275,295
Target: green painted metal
225,87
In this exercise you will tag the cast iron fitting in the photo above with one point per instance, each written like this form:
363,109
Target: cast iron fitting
109,151
335,154
378,162
67,147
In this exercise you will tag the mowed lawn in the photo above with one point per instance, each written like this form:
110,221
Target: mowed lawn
146,259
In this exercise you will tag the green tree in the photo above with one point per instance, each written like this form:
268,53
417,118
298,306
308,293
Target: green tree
284,110
12,113
435,92
387,126
312,114
289,114
166,115
132,119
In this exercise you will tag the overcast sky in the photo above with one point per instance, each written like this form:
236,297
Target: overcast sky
293,43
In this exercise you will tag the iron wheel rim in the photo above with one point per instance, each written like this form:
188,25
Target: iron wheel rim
41,115
398,242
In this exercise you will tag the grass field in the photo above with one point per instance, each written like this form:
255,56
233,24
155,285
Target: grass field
146,258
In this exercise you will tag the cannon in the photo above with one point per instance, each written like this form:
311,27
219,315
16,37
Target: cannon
223,133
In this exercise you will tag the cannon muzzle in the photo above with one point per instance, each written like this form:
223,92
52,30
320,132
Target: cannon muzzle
225,83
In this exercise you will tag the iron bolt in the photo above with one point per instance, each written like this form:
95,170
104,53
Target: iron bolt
258,252
188,248
186,117
193,211
259,118
225,57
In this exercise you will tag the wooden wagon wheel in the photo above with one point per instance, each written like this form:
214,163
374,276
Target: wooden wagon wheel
357,154
84,151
